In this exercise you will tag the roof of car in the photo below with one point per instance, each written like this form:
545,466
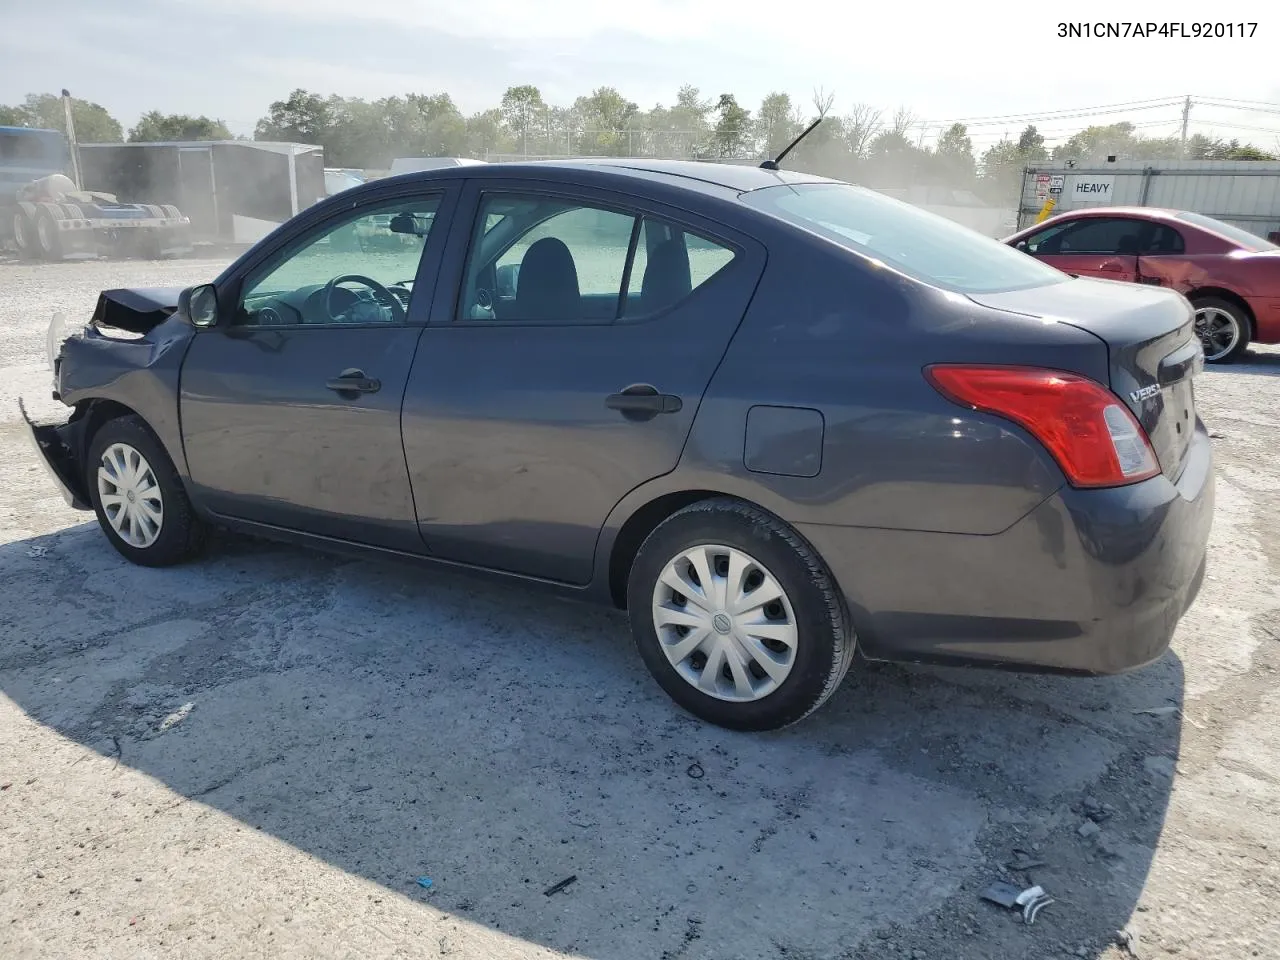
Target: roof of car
691,174
1155,213
735,176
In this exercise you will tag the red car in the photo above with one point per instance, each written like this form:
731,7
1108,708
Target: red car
1231,277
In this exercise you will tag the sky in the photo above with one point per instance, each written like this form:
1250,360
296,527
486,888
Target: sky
944,61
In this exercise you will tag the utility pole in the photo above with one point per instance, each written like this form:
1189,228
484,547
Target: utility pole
1186,117
71,138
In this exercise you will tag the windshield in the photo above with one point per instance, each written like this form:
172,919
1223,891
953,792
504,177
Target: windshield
913,241
1251,242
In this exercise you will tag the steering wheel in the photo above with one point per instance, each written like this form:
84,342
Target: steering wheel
380,293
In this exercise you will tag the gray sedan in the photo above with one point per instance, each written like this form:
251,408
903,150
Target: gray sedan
781,420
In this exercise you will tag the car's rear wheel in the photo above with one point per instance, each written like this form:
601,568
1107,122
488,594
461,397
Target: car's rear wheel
737,618
139,498
1222,327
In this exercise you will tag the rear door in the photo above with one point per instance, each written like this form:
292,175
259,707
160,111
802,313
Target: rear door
562,368
1103,247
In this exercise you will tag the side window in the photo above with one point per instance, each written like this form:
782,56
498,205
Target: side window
1163,240
1101,235
357,270
1047,240
669,264
544,259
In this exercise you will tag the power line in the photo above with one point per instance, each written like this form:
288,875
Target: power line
1061,114
1273,111
1255,103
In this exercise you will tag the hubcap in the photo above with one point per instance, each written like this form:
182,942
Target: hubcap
45,232
1218,332
725,623
130,495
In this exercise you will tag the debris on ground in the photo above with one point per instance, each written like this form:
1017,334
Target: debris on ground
1032,900
175,718
1127,941
423,882
1157,711
1022,860
695,770
37,551
563,884
1088,829
363,788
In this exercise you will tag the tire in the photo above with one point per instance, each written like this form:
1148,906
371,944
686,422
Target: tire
48,242
804,672
179,534
1213,313
24,235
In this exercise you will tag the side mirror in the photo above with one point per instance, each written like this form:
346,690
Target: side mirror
1022,245
200,305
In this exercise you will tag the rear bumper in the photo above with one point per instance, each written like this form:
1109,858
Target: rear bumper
1091,581
56,445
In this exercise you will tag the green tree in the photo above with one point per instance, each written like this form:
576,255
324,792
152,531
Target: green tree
954,154
606,118
486,134
1031,145
302,117
522,111
45,111
154,127
777,123
733,129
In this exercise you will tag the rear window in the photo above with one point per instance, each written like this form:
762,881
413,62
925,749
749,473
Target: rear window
1250,241
913,241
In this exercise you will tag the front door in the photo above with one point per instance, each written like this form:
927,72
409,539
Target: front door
1104,247
291,409
565,373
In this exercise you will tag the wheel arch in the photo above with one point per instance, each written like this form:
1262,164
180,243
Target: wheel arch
95,412
1222,293
646,518
636,529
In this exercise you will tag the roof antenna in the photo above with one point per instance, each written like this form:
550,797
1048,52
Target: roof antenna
773,164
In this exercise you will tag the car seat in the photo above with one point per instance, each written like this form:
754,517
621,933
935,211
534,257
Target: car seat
548,283
666,278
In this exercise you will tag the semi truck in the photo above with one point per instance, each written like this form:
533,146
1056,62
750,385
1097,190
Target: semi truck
45,214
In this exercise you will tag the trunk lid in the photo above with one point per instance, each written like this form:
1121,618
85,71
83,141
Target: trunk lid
1153,352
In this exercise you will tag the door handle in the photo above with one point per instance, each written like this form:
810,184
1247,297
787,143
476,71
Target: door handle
353,382
642,401
1112,266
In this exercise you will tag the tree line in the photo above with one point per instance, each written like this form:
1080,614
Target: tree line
861,143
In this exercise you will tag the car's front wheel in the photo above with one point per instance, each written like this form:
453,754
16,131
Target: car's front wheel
138,496
737,618
1222,327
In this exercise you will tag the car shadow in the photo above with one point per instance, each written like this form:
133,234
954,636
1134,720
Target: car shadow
396,723
1264,363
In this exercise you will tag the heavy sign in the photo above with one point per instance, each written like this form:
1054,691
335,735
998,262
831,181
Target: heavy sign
1085,189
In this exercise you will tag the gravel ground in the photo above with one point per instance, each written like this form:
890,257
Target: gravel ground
257,755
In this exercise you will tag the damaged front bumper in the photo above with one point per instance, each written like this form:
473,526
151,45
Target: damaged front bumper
57,445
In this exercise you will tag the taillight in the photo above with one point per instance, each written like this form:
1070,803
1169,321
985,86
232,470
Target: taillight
1088,430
